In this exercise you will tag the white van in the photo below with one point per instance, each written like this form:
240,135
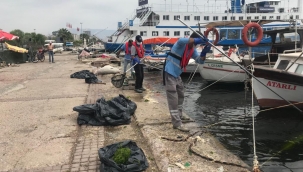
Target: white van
58,47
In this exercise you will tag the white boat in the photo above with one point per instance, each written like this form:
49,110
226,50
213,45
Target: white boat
219,68
287,83
152,20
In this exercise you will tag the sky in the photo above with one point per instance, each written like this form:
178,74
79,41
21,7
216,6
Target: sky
44,16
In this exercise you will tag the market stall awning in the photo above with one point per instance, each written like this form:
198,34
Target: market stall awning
160,40
16,49
7,36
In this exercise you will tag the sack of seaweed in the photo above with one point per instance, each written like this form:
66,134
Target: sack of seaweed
124,156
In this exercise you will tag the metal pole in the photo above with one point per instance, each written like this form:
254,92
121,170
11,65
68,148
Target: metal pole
202,36
296,36
82,34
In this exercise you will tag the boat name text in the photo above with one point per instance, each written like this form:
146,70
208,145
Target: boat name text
280,85
215,65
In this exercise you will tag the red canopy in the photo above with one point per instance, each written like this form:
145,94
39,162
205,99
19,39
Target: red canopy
7,36
160,40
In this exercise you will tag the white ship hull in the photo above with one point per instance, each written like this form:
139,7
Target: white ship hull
213,70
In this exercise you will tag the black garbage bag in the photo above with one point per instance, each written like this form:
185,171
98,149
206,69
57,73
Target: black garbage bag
92,80
89,77
114,112
87,115
136,162
81,74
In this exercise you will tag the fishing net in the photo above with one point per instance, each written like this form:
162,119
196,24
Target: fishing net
118,80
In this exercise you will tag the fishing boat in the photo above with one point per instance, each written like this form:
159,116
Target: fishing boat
285,78
219,68
153,20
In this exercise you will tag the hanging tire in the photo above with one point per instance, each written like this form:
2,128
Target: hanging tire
214,30
245,37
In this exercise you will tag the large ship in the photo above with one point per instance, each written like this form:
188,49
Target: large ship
153,20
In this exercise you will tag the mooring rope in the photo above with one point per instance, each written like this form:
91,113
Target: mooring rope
255,162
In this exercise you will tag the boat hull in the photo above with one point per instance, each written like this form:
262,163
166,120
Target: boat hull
289,86
111,47
213,70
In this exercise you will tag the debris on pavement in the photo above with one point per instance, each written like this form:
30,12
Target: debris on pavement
114,112
135,163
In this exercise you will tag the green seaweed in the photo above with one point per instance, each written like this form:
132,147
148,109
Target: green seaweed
122,155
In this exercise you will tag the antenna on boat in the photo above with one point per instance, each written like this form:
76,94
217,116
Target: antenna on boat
202,36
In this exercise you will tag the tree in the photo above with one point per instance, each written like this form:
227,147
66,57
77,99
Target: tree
65,34
20,34
84,36
40,39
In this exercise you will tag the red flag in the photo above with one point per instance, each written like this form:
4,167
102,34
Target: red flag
77,29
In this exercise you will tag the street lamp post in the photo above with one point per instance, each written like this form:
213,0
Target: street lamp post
82,33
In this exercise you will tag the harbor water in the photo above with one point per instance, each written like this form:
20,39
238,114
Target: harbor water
279,133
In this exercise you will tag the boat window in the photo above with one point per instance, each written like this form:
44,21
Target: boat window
233,34
186,33
278,17
256,17
176,33
186,17
223,34
165,33
155,33
266,35
232,18
176,17
248,18
143,33
264,17
165,17
215,18
276,3
287,37
299,69
297,16
241,18
197,18
206,18
271,17
283,64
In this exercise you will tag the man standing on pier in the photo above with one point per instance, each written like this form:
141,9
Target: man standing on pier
127,58
176,61
137,54
50,49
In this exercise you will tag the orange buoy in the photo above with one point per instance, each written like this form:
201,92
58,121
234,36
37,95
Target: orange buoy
214,30
245,37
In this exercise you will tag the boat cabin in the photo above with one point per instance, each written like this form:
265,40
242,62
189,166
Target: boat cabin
292,63
283,41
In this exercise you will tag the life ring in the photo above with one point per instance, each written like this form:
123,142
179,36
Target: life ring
244,34
215,31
